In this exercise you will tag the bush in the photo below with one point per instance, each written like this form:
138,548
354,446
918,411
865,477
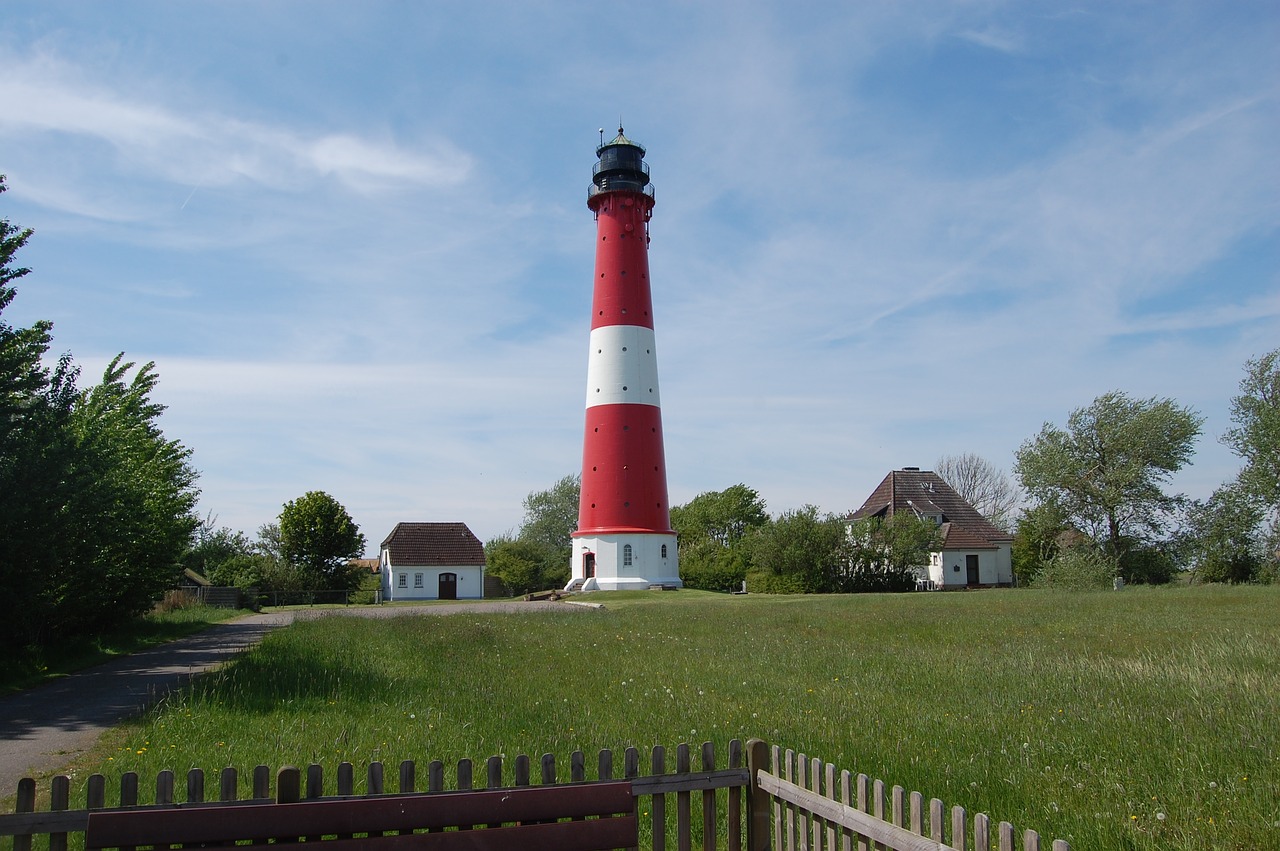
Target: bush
1077,569
1147,566
710,567
768,582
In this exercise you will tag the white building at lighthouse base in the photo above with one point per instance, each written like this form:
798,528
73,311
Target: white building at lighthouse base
624,561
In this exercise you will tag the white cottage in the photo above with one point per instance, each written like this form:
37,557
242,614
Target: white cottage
432,561
975,554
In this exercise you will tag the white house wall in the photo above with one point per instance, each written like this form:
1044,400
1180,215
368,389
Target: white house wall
995,567
470,582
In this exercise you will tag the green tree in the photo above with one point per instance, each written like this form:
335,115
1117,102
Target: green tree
551,516
711,528
1222,543
212,547
1255,437
884,555
320,538
1107,470
723,517
95,502
799,552
133,499
1037,539
525,566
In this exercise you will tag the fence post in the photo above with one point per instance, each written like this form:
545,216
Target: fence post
288,785
758,827
26,804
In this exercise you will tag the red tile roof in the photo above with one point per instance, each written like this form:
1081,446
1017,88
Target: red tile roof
925,492
434,545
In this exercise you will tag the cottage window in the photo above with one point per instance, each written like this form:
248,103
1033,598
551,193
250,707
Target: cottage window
417,580
626,555
404,580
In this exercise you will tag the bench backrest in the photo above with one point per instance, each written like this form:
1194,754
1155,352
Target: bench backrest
603,817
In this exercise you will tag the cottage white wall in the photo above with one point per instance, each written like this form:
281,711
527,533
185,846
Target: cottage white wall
470,582
995,567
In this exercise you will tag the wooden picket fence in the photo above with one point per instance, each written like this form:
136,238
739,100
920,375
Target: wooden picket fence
758,798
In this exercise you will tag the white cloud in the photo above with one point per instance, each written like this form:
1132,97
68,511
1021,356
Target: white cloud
51,102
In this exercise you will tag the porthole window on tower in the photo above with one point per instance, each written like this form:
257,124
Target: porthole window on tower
626,555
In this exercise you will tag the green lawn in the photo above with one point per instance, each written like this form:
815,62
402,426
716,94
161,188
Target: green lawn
1141,719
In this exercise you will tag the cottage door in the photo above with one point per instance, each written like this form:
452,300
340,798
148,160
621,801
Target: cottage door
971,567
448,586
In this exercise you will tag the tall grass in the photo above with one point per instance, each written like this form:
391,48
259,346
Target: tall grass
1144,719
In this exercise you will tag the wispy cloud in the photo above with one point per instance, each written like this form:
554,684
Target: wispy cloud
49,97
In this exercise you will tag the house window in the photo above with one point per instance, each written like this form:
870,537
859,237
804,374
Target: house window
664,550
417,580
626,555
404,580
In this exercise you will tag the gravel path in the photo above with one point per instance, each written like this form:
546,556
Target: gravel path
47,727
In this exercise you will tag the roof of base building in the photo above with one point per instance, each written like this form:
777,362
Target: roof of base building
924,492
433,544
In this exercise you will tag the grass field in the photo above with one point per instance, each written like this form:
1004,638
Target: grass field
1144,719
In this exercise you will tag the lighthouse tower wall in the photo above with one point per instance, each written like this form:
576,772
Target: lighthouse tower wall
624,537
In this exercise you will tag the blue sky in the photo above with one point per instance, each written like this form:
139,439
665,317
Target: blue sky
353,236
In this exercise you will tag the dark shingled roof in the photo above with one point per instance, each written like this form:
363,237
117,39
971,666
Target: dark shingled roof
434,545
925,492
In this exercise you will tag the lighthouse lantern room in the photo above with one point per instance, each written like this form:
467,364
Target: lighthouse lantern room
624,538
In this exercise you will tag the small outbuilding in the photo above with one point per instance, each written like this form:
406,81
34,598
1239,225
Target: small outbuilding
432,561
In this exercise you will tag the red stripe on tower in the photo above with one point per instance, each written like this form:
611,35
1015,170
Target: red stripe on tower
624,537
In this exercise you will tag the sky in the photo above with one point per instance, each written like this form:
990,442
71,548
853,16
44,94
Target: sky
353,237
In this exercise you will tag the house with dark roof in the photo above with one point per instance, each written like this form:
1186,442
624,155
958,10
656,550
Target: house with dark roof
432,561
975,553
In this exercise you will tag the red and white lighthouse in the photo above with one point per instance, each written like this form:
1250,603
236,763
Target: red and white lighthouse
624,538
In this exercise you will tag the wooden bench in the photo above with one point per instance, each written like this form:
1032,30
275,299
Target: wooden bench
574,817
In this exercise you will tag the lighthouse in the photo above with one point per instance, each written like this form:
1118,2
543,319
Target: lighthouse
624,538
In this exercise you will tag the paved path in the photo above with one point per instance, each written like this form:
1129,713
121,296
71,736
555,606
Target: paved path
47,727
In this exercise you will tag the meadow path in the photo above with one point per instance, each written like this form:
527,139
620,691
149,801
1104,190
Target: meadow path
48,727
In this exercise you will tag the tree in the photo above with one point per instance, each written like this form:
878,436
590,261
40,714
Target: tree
799,552
723,517
95,502
551,516
525,566
1037,539
32,457
1107,470
320,538
884,554
213,546
711,529
1256,436
133,500
1222,543
983,485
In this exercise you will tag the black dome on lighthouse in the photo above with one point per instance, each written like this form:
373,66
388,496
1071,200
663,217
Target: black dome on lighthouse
621,168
